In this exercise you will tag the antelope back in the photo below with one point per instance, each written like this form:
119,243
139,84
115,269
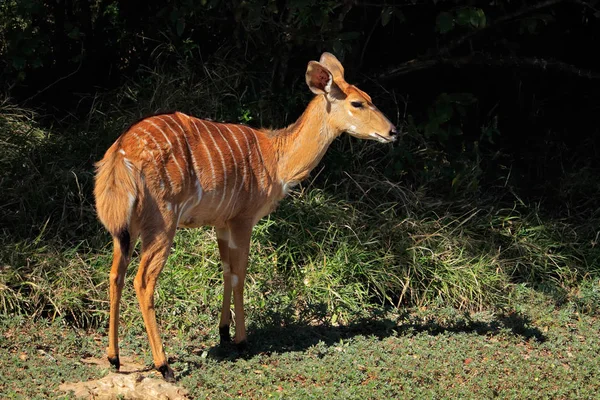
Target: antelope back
185,162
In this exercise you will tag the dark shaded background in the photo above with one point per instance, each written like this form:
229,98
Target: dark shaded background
522,77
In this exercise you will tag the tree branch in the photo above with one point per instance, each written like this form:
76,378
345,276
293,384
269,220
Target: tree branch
494,60
438,56
506,18
530,62
586,5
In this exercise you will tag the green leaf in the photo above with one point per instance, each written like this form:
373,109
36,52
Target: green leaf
474,18
463,16
444,22
386,15
482,18
455,180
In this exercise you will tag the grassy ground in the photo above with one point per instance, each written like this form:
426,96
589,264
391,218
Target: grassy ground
533,349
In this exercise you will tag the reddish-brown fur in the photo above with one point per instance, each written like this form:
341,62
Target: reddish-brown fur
173,170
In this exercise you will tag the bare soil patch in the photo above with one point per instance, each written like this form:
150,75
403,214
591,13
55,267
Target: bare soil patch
133,381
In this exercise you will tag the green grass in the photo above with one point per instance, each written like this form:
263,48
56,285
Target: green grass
37,356
322,257
533,349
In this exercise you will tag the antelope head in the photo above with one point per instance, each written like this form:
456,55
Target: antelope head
349,108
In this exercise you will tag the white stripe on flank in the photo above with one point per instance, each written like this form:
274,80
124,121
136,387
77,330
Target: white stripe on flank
261,161
247,161
139,139
249,156
243,160
222,164
198,192
171,146
181,210
194,163
128,164
235,169
131,198
159,150
197,184
201,140
183,133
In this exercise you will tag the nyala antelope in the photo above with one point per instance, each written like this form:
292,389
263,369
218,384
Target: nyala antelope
174,170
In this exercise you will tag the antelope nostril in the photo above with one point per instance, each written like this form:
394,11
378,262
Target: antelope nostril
393,131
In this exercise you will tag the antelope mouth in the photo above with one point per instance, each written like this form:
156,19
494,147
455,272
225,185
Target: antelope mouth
382,139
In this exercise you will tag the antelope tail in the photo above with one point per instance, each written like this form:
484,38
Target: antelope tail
116,191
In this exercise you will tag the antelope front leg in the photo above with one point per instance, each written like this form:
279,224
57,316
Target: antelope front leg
223,238
239,243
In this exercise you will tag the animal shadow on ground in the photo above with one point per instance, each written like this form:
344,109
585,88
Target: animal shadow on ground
288,335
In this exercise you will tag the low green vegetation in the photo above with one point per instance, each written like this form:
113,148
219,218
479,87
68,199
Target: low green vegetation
347,239
533,349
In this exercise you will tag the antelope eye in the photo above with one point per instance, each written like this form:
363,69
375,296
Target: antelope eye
357,104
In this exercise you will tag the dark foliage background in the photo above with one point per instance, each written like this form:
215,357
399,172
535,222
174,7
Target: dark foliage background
512,81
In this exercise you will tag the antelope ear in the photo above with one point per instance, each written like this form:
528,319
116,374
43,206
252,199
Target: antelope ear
318,78
333,65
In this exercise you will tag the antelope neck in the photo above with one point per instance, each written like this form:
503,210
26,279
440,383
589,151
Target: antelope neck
300,146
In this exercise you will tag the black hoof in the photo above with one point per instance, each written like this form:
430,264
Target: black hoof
114,361
167,373
225,335
242,346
